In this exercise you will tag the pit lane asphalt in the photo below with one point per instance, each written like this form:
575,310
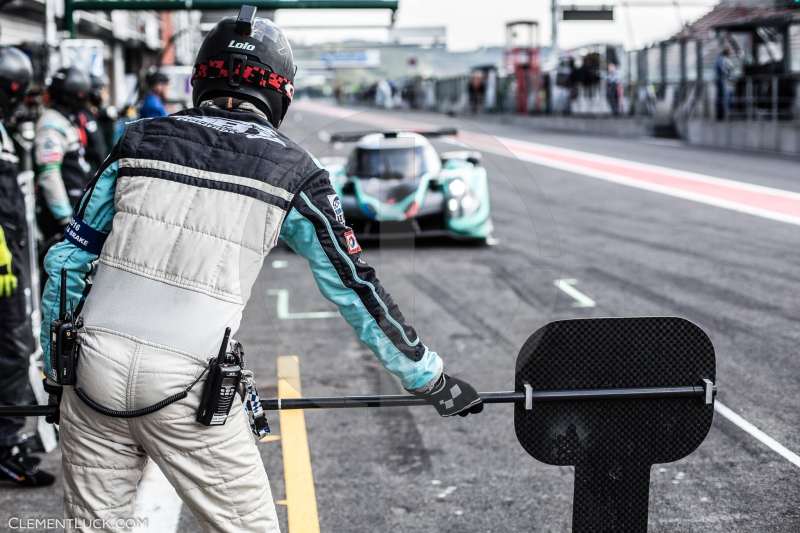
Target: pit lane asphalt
634,252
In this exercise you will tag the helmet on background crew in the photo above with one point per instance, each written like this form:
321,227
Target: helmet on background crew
69,88
16,73
249,59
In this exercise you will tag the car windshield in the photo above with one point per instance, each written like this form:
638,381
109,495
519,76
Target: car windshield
387,163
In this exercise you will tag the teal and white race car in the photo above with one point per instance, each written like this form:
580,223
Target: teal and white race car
395,184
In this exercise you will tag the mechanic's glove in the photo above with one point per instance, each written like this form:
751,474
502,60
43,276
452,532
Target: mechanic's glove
451,396
8,281
54,392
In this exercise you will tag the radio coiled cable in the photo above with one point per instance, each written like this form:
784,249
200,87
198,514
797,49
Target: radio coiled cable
114,413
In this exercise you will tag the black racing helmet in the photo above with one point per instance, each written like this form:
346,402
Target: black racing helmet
16,73
247,58
70,87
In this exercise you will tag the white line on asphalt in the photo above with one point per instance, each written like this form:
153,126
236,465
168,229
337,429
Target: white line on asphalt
446,492
282,308
581,300
762,437
157,501
280,264
663,189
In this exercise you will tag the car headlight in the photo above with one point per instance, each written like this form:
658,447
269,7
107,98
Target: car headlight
457,187
463,206
469,205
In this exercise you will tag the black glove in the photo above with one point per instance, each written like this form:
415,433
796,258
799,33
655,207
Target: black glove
451,396
54,391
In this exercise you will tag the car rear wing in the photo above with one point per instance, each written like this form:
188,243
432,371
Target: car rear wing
355,136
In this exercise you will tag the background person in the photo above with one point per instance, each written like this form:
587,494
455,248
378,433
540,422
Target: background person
723,78
613,89
153,102
16,335
476,90
62,171
106,114
89,120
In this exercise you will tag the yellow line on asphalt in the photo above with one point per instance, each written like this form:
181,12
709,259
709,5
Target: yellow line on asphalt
301,499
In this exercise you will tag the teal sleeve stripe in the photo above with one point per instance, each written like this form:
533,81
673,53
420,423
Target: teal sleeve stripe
75,261
300,234
352,267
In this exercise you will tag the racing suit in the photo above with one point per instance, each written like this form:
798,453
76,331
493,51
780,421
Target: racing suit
191,205
16,340
61,171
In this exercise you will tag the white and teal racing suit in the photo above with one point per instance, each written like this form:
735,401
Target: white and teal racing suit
174,231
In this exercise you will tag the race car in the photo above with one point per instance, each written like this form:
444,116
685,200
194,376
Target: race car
395,184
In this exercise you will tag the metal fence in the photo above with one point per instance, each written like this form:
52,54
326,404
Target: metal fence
679,77
764,97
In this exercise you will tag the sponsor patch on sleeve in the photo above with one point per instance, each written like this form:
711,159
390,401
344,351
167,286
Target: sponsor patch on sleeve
49,152
336,204
352,243
50,157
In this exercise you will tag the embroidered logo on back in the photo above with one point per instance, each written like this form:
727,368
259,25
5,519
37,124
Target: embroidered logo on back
251,130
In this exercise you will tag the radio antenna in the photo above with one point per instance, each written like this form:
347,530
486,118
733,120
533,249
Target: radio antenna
223,348
63,295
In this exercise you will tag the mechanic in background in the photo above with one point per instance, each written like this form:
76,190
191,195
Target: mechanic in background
16,335
62,171
723,79
613,89
477,91
89,116
106,114
153,102
190,233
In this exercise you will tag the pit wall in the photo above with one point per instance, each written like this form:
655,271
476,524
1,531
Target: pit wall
764,136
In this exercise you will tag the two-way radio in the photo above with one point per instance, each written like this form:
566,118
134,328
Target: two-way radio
222,385
63,337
